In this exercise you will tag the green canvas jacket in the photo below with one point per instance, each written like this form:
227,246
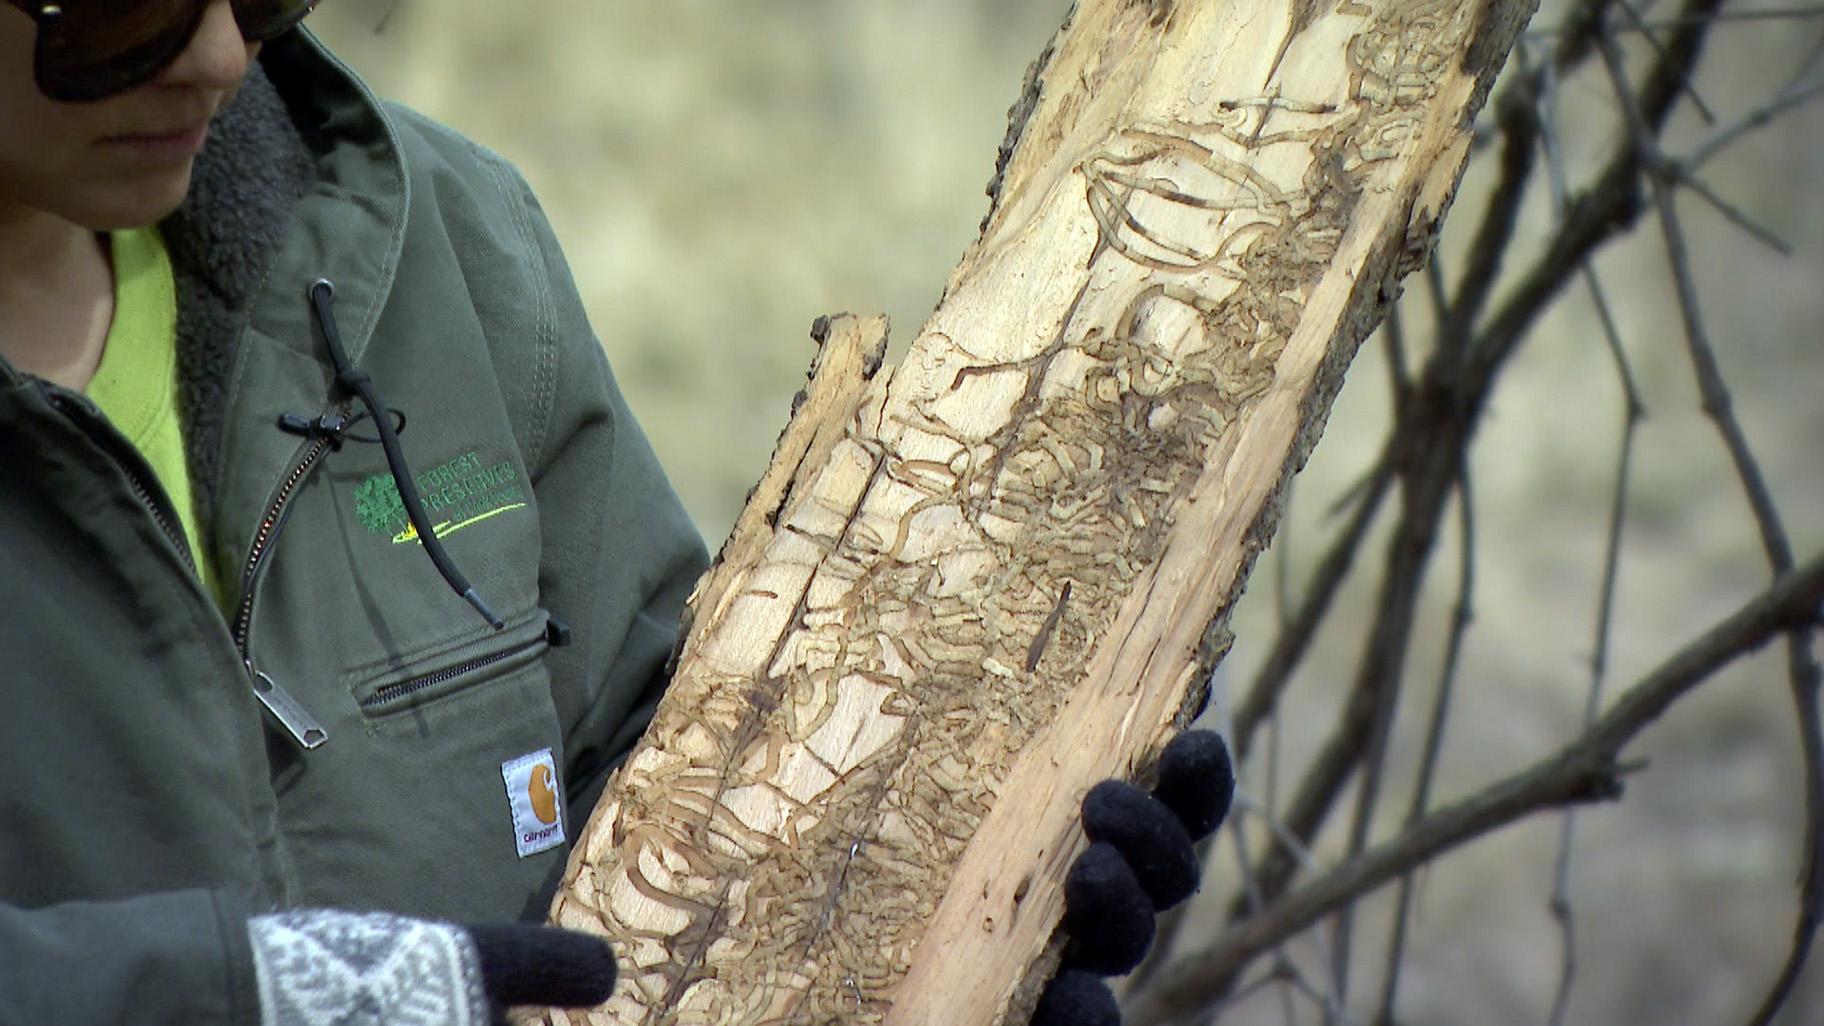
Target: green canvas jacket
149,803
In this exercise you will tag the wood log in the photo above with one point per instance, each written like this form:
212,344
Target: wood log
971,586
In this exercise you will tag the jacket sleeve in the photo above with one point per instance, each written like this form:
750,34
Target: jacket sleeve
177,958
620,553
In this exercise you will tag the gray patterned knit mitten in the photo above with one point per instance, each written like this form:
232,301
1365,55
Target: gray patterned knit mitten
319,966
323,967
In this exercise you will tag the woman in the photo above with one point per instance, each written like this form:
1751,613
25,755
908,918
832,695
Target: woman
193,530
337,574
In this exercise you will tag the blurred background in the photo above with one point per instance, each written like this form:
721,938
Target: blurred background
722,173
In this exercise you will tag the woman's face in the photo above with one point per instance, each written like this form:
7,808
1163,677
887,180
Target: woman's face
122,162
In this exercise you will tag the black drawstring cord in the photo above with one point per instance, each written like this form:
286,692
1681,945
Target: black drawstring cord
334,428
355,381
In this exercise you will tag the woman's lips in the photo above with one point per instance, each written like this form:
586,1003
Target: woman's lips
179,144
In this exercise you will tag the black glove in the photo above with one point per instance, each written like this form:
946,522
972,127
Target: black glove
1141,861
315,967
524,964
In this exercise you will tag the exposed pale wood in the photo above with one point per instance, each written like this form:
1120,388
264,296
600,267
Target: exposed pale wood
971,587
849,351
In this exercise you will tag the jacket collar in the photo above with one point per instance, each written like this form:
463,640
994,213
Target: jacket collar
301,179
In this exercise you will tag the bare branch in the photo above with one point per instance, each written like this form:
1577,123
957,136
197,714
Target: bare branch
1445,407
1425,483
1586,770
386,17
1593,217
1461,617
1519,127
1576,34
1791,97
1803,669
1649,33
1769,14
1292,982
1733,213
1439,419
1399,372
1633,410
1282,835
1437,289
1282,563
1290,645
1560,904
1375,760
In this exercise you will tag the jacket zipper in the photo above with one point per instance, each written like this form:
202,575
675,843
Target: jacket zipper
291,714
268,532
284,708
145,493
394,692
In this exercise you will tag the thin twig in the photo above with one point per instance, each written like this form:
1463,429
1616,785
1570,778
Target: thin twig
1426,482
1585,770
1791,97
1427,475
1437,289
1649,33
1290,645
1282,562
1549,136
1519,128
1633,410
1770,14
1803,670
1282,836
1327,1000
1275,749
1288,1007
1717,404
1291,982
1462,616
1734,214
1399,372
1632,413
1608,207
1576,34
1375,760
1811,58
1434,427
1450,398
1358,489
1275,975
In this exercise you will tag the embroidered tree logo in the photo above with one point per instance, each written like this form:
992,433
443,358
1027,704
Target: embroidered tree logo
378,506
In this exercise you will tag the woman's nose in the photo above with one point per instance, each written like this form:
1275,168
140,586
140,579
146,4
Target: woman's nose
216,57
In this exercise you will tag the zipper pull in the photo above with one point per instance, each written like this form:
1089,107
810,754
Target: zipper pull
302,726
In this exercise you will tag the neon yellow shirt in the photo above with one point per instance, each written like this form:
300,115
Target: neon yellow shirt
136,383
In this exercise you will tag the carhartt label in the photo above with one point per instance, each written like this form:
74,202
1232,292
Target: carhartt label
533,794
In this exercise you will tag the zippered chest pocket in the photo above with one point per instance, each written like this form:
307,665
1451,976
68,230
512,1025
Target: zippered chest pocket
433,679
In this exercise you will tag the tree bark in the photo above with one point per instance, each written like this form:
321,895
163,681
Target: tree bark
970,586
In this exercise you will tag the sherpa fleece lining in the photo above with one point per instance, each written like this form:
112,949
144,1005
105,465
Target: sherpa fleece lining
223,240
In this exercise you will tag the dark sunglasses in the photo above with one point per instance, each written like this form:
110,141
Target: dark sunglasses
94,49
